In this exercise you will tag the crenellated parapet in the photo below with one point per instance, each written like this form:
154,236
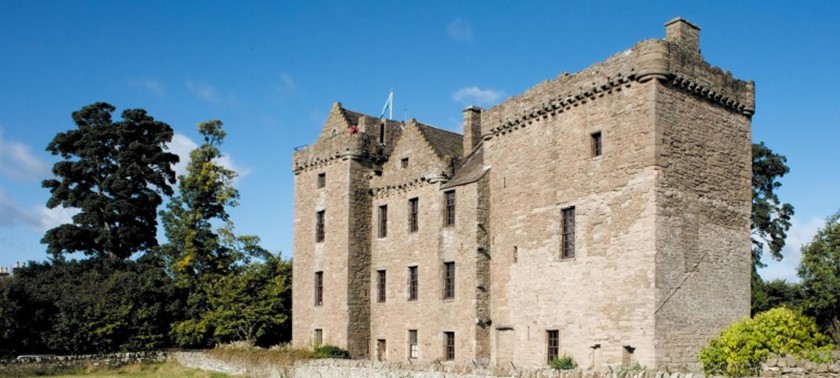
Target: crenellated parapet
341,146
403,187
675,61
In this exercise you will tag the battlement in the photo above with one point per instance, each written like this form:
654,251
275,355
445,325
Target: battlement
675,61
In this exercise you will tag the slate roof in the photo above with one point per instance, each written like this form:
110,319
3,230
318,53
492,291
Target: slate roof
444,143
472,169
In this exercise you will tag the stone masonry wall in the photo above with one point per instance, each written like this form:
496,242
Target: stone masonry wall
602,299
703,222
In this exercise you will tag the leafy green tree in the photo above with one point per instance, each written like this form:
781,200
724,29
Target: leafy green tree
777,293
743,346
203,253
820,274
244,306
114,173
770,217
196,247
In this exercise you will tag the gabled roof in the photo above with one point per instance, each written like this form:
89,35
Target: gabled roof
444,143
471,171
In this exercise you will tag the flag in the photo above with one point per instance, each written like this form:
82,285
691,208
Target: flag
389,106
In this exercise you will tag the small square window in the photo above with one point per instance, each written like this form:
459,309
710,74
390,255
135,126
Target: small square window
322,180
404,163
596,144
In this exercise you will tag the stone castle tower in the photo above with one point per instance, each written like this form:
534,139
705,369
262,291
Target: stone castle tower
604,215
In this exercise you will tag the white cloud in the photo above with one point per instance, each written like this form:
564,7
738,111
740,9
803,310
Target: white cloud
37,218
459,30
18,163
477,95
800,233
288,83
150,85
182,145
208,93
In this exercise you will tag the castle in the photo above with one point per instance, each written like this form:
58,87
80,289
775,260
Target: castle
603,215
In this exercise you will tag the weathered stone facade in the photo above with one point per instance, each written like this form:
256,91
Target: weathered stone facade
607,210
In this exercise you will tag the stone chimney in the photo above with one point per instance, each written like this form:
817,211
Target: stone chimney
472,128
683,33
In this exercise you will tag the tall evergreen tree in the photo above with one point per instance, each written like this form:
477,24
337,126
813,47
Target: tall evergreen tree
115,174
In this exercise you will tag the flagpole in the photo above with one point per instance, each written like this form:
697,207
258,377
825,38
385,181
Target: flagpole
391,108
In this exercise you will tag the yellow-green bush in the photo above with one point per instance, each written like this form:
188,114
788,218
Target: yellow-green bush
743,346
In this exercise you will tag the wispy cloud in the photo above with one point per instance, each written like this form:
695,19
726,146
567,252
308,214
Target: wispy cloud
38,218
18,163
182,145
477,95
150,85
800,233
459,30
283,88
207,92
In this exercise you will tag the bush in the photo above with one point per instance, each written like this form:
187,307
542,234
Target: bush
743,346
563,363
331,351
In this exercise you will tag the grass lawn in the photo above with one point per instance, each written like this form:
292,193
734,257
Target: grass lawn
166,370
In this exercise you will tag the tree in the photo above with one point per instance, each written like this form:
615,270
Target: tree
244,306
203,253
770,217
195,248
114,173
820,274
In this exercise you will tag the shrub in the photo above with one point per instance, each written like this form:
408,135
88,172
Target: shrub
743,346
563,363
331,351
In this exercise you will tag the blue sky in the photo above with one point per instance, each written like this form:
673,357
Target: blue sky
271,70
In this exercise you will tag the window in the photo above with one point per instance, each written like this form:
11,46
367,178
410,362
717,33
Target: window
449,346
553,340
569,232
449,280
382,133
318,338
319,288
412,283
450,208
413,349
380,285
322,180
596,144
381,348
413,205
404,163
383,221
319,227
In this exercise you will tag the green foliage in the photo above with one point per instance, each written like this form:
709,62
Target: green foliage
776,293
246,305
770,217
743,346
820,274
114,173
195,248
91,306
564,362
331,351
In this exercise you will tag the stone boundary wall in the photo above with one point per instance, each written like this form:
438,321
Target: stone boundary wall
109,360
775,367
